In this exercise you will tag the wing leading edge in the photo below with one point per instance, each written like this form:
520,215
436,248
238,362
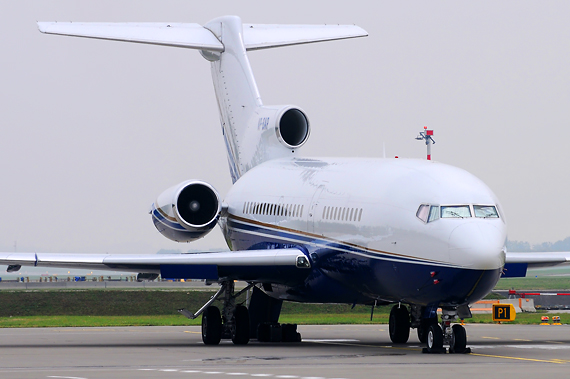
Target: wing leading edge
273,265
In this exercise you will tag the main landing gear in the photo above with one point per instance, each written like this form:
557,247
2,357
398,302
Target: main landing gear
231,323
399,324
234,321
435,335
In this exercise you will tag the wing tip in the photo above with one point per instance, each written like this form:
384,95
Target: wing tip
42,26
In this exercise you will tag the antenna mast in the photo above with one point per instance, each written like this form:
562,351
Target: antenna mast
427,136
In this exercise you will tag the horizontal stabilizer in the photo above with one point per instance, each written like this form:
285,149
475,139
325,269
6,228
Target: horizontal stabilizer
261,36
195,36
192,36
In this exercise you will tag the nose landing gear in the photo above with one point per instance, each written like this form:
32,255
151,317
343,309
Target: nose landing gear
443,333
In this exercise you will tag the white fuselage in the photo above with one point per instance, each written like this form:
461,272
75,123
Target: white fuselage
365,210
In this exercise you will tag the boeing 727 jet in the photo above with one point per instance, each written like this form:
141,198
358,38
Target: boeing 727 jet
418,234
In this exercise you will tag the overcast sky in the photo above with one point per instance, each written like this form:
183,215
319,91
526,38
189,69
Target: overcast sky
93,131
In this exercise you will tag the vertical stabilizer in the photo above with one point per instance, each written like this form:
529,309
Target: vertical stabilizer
253,133
236,90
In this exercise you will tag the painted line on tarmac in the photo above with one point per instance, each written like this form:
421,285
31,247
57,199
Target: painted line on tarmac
281,376
333,342
550,347
540,347
556,361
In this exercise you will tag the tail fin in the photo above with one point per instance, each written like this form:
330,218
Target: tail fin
253,133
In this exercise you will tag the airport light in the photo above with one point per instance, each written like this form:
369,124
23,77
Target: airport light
426,135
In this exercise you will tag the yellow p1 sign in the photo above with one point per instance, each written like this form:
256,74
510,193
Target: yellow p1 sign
503,312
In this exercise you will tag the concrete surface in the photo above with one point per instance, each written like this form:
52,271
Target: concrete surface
327,352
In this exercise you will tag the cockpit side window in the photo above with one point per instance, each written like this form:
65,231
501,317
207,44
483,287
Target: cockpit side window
428,213
423,212
433,213
455,211
485,211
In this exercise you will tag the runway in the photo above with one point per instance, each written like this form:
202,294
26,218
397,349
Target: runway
327,352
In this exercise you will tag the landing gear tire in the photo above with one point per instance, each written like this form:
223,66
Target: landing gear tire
241,332
399,324
458,344
424,327
211,326
435,339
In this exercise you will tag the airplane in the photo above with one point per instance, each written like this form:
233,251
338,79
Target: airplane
418,234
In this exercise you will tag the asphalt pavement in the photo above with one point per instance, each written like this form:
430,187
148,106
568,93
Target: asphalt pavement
326,352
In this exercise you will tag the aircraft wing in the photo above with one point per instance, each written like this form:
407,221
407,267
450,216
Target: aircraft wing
271,265
516,264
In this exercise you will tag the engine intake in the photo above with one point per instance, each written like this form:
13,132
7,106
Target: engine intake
187,211
197,205
293,128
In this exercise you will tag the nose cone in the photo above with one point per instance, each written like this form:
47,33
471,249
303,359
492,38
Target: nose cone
478,244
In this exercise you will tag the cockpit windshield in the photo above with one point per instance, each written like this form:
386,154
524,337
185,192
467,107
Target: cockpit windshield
455,211
485,211
428,213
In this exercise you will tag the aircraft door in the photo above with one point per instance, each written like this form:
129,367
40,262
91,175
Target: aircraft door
315,210
281,215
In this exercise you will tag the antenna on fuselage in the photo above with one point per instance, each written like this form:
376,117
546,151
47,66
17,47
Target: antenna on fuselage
427,136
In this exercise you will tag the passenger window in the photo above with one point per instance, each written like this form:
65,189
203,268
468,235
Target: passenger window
455,211
485,211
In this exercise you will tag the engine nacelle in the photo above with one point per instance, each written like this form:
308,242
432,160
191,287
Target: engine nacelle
287,124
187,211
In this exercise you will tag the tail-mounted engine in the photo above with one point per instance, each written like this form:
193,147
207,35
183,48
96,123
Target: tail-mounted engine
287,124
187,211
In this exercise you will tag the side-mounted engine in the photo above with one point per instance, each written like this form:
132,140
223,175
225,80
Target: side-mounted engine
187,211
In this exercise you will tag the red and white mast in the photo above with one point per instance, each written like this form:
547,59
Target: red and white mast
427,136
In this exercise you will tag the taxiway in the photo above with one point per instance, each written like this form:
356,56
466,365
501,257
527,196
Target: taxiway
327,352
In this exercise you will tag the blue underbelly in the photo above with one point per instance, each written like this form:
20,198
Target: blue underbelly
347,274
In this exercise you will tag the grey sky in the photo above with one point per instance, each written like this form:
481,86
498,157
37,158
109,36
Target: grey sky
93,131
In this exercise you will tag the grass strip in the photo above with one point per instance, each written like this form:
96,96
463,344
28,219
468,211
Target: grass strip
534,283
177,320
